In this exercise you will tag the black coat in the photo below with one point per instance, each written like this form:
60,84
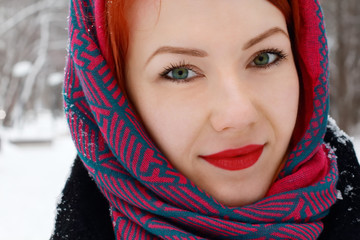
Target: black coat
83,213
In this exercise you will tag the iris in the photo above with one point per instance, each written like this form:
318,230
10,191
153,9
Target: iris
262,59
179,73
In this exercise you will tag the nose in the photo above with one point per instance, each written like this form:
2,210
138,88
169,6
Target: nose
233,107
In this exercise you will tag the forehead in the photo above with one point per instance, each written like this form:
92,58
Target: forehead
200,23
151,14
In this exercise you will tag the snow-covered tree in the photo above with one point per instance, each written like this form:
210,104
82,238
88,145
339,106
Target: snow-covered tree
33,42
343,24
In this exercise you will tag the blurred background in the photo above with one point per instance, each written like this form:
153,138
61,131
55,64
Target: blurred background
36,151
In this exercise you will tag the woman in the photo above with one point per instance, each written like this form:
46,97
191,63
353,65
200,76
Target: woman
213,126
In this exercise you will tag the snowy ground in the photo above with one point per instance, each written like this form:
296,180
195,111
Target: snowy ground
31,179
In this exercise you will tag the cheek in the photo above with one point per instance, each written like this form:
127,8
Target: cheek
285,101
287,110
289,99
279,100
173,122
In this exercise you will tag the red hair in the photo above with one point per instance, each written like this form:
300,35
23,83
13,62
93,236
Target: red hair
118,36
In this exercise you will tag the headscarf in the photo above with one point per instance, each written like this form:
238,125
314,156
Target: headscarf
148,197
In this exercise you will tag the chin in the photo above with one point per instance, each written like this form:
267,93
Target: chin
229,198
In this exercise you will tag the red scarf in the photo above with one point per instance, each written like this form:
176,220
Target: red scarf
150,199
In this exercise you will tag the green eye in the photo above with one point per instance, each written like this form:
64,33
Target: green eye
262,59
180,73
267,59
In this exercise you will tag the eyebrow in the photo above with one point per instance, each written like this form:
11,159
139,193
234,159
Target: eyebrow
178,50
200,53
263,36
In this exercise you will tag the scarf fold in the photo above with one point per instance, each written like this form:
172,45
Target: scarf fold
150,199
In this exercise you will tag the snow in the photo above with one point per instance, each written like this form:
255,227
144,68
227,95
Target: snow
342,137
356,142
31,179
339,195
2,114
56,78
21,69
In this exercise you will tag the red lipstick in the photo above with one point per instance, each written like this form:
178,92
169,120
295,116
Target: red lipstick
235,159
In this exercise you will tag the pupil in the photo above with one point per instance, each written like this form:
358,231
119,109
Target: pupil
262,59
180,73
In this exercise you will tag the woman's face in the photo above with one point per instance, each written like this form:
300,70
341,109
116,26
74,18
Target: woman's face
216,87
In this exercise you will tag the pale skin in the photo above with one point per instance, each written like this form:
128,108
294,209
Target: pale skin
206,76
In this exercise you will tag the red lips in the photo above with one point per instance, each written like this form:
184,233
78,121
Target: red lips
235,159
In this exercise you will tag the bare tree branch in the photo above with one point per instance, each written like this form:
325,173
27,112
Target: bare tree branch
23,14
39,63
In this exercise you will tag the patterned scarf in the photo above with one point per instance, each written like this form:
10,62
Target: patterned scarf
150,199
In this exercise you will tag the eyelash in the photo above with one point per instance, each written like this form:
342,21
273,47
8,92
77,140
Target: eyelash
279,53
174,66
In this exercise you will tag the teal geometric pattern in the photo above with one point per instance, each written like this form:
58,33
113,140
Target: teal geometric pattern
149,198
